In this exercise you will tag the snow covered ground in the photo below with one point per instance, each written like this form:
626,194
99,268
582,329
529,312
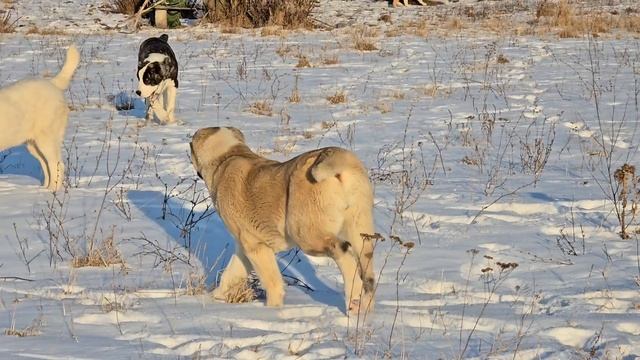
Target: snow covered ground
490,153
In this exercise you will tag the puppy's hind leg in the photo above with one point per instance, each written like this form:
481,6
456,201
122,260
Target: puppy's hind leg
33,150
237,271
263,259
348,266
50,150
171,102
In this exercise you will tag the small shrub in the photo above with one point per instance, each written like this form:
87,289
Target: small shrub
295,96
7,23
127,7
364,45
303,62
261,107
363,38
627,197
271,31
244,291
32,330
104,254
329,60
258,13
339,97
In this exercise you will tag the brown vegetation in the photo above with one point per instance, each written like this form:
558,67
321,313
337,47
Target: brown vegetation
289,14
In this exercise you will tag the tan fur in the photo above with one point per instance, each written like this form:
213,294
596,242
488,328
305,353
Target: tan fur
35,112
320,201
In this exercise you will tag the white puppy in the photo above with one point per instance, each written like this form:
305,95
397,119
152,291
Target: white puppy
35,112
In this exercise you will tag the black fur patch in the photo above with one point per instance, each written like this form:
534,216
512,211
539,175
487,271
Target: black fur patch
168,69
153,75
368,285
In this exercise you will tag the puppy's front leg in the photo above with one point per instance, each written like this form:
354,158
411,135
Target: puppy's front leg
263,259
148,112
158,108
236,272
171,102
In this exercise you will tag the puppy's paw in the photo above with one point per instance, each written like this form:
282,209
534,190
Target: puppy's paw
275,298
219,294
360,307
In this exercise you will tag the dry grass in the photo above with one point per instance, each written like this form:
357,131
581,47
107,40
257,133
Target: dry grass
227,29
240,293
295,96
289,14
303,62
103,254
31,330
284,50
196,284
384,107
454,24
272,31
244,291
417,27
7,22
340,97
329,60
429,90
261,107
47,31
364,45
567,21
363,38
127,7
501,59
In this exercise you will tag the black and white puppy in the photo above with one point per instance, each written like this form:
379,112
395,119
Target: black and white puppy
158,78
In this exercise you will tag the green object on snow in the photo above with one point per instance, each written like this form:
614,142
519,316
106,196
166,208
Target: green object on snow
173,16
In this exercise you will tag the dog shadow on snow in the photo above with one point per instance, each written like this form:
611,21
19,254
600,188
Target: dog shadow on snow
18,161
213,246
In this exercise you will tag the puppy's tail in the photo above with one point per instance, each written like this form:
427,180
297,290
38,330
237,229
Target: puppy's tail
358,228
62,80
332,162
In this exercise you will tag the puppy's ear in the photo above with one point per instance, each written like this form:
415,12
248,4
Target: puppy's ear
194,160
237,133
141,64
167,67
164,37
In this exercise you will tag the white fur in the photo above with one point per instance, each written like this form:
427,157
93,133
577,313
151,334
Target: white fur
35,112
157,96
